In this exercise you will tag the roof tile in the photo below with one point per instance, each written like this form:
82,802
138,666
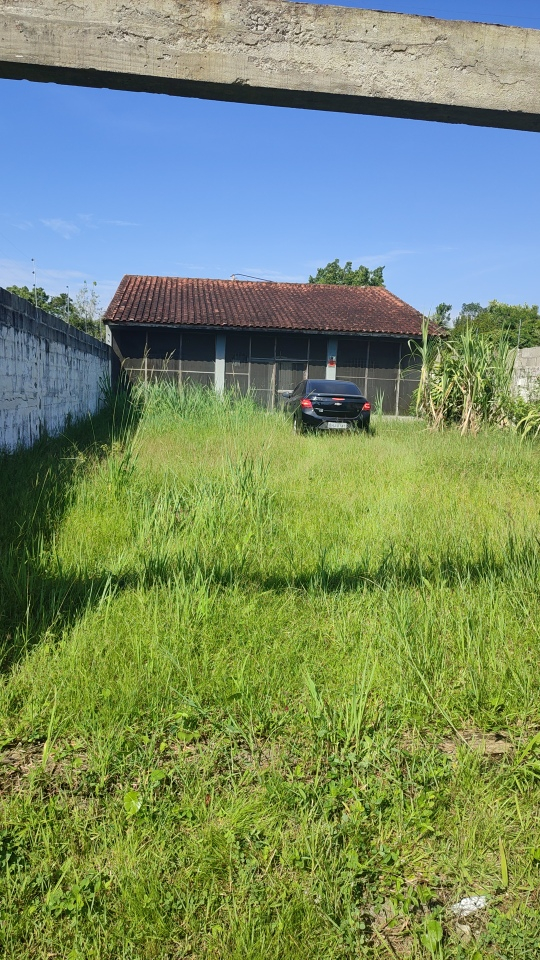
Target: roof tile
239,304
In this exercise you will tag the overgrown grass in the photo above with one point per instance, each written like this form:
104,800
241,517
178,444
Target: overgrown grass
269,696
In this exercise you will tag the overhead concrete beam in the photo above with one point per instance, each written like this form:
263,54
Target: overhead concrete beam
283,54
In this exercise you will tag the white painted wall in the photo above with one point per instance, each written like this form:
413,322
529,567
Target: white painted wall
49,370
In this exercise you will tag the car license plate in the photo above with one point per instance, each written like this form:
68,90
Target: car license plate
337,426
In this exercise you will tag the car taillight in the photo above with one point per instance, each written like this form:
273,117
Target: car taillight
366,407
306,404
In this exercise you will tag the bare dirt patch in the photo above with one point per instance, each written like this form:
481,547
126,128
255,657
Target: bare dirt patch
60,767
492,745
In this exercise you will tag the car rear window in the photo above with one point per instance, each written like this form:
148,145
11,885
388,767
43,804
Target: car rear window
332,387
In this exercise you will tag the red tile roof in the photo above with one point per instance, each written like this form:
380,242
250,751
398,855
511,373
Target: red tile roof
262,306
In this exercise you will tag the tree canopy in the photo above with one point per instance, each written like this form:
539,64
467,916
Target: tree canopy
442,314
37,296
82,311
361,277
518,322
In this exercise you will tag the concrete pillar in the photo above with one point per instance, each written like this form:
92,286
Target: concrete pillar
398,375
219,375
367,369
331,358
108,341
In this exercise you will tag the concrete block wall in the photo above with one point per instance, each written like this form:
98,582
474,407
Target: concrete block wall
49,370
526,381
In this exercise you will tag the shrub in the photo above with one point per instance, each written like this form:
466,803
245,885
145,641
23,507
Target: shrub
465,379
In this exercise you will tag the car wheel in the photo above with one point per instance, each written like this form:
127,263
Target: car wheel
297,427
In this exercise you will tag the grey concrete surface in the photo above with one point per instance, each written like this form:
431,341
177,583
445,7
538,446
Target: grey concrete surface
526,379
280,53
49,370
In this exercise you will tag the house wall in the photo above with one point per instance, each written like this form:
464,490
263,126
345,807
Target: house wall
49,370
381,367
266,364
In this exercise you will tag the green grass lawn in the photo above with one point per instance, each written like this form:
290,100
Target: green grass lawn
268,696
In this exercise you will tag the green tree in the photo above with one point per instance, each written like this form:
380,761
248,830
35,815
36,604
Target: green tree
469,313
88,310
83,311
37,296
519,323
442,314
345,276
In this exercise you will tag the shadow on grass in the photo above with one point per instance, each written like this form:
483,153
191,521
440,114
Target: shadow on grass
518,561
36,487
37,599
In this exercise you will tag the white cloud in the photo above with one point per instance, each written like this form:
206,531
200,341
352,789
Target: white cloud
65,228
88,220
120,223
19,272
15,273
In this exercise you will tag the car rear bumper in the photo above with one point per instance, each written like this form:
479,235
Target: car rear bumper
316,422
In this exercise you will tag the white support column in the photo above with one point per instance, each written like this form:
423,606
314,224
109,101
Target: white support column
331,358
398,375
108,341
219,374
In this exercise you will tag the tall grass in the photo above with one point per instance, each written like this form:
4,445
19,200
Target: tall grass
255,685
465,379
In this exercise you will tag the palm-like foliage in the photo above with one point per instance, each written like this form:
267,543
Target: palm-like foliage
530,423
465,379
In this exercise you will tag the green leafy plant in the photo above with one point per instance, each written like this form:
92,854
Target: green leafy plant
465,379
529,425
78,898
132,802
378,403
432,938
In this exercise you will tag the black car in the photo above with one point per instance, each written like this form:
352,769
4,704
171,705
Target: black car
328,405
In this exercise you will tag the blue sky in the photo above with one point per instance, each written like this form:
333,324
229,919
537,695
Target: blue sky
98,183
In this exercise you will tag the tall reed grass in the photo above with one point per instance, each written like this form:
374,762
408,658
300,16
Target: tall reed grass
465,379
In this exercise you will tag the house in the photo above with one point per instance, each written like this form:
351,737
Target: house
264,337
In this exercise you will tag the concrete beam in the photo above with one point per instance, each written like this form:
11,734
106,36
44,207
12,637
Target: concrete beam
283,54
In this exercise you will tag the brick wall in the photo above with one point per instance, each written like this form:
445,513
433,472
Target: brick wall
49,370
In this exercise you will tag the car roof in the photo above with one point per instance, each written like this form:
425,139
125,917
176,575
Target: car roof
343,383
